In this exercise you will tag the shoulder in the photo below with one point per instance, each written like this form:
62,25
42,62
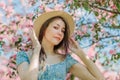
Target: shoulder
69,57
22,56
70,61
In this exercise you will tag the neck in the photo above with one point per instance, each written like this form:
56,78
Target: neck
49,48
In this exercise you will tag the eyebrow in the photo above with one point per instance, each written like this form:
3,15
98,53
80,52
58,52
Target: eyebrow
59,26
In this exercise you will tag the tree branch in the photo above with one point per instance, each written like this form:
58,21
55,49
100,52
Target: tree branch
93,6
93,42
108,37
115,12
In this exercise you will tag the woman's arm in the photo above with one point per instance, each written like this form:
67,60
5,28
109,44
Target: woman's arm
30,71
89,70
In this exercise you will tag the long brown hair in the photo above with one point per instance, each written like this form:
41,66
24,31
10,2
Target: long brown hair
64,43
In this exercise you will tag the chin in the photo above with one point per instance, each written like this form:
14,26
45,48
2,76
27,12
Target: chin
56,43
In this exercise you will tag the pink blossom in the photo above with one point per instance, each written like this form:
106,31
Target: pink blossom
91,51
111,75
29,23
112,51
13,56
30,16
17,18
25,23
99,65
78,32
3,68
1,15
14,39
3,60
12,65
41,7
17,78
47,9
99,16
2,29
109,15
1,37
10,1
84,28
25,30
69,1
9,10
59,7
114,7
102,30
119,45
93,28
2,4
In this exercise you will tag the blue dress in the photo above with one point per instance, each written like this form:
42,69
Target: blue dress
56,71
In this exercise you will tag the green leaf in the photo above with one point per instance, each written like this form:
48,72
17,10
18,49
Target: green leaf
33,17
72,77
96,36
87,35
2,42
76,4
27,17
96,13
103,19
78,37
86,6
118,6
75,0
17,42
117,40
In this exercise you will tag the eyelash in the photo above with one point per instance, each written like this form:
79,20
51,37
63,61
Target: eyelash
63,31
57,28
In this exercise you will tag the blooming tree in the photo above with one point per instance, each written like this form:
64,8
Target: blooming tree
97,31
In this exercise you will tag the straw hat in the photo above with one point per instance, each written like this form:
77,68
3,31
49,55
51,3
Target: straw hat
47,15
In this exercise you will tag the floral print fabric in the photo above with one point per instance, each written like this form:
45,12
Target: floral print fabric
56,71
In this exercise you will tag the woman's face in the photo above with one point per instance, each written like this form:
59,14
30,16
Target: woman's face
55,31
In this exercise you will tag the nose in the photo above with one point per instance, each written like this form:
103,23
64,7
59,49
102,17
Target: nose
60,33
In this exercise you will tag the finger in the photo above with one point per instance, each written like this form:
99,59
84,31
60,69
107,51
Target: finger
33,37
71,50
32,34
73,42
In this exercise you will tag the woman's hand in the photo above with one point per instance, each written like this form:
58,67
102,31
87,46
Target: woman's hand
90,68
34,39
75,48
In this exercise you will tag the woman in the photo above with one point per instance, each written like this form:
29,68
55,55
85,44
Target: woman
51,34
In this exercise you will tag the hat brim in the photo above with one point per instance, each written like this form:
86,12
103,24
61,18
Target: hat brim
45,16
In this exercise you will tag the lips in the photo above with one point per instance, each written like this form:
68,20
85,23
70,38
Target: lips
58,38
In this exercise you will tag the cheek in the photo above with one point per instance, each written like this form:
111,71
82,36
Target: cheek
63,35
48,34
50,31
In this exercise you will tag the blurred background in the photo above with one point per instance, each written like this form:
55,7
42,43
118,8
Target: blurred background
97,31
